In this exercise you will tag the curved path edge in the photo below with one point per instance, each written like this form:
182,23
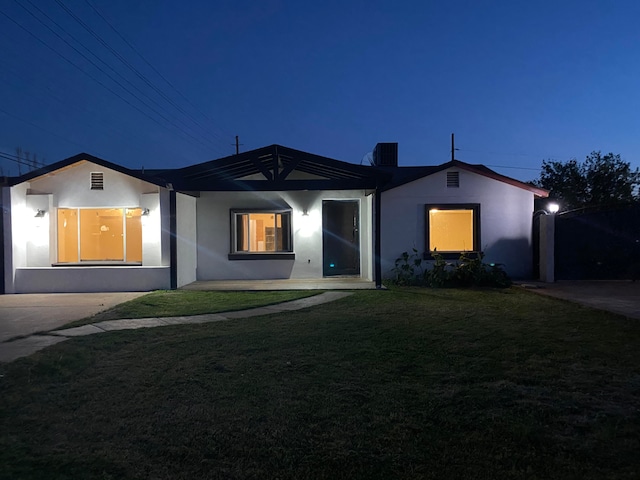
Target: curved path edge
24,347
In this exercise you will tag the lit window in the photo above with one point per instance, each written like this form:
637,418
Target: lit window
452,228
261,232
99,234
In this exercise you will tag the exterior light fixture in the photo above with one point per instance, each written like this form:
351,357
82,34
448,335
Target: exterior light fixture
305,213
553,208
145,212
40,213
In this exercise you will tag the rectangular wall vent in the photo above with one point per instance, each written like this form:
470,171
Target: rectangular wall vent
453,179
97,181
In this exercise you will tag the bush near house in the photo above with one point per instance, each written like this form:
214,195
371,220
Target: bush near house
411,269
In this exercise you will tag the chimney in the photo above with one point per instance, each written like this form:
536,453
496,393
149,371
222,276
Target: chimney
385,155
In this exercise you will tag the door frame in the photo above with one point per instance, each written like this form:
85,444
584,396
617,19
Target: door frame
358,202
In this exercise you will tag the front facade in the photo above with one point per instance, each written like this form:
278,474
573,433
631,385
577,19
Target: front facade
85,224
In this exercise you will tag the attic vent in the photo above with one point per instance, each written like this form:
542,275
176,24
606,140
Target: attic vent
97,181
453,179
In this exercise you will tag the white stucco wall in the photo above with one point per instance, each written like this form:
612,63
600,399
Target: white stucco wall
186,239
91,279
505,218
214,236
28,267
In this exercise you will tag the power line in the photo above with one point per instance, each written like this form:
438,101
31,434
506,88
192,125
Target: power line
509,154
100,69
129,66
51,94
41,128
78,67
16,159
133,48
516,168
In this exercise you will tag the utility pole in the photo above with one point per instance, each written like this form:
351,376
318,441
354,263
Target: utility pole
453,148
237,144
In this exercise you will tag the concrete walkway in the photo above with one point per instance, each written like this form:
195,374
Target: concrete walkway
23,347
28,313
617,296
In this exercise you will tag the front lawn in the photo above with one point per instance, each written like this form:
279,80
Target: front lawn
407,383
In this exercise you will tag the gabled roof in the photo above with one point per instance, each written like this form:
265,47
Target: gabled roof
274,164
402,175
89,158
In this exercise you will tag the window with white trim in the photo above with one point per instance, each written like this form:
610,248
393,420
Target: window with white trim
99,235
452,228
260,231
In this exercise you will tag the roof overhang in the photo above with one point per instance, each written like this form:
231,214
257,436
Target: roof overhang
85,157
415,173
275,164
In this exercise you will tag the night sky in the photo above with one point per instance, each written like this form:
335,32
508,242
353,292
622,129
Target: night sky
159,83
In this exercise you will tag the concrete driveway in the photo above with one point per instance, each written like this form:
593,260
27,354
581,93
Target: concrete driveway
622,297
29,313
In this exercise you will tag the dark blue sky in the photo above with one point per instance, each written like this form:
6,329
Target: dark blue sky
516,81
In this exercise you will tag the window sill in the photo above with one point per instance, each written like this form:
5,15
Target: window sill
263,256
98,264
451,255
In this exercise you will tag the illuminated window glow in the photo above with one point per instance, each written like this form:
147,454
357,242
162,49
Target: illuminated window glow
99,234
452,228
261,232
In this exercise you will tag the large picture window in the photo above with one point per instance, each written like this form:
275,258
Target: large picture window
452,228
99,235
260,232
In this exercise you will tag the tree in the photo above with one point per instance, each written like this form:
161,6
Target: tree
600,179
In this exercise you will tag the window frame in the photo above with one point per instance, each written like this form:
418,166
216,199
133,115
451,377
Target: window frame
80,262
475,207
234,254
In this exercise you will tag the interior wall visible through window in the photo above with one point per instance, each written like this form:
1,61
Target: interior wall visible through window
99,235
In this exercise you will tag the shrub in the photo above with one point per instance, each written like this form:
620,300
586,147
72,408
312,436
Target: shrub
468,271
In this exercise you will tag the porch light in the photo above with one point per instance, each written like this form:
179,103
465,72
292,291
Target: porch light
553,208
307,222
40,213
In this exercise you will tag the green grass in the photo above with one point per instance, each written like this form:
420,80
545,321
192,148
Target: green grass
406,383
168,303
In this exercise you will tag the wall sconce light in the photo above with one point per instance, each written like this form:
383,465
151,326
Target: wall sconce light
145,212
553,207
305,212
40,213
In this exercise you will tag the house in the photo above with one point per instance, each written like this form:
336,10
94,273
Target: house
86,224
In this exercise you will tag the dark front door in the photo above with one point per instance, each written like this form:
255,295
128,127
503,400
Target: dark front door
340,237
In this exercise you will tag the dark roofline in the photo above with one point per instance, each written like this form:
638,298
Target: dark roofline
363,176
421,172
281,150
275,162
89,158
